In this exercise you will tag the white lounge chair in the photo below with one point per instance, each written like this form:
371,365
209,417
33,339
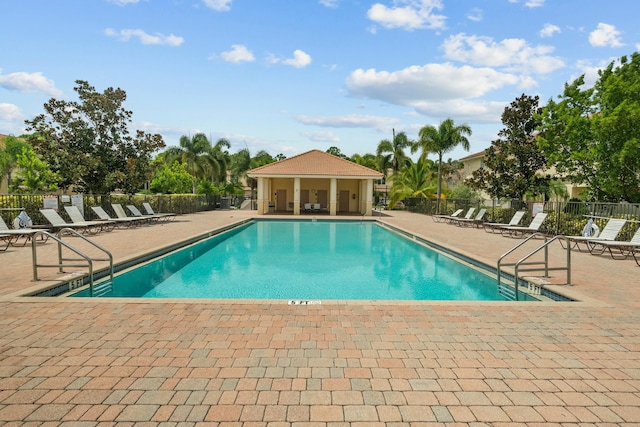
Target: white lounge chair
608,233
623,249
466,216
494,227
12,236
58,223
137,214
104,216
162,215
77,218
120,213
446,218
533,227
477,220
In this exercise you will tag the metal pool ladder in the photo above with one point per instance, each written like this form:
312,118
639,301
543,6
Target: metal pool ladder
86,261
512,292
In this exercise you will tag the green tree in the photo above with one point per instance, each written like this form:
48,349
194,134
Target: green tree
9,155
440,140
396,149
335,151
171,179
88,143
33,175
416,180
194,154
592,135
514,162
242,162
368,160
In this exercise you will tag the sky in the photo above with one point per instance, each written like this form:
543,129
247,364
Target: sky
289,76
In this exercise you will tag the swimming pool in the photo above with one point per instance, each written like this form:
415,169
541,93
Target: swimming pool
307,260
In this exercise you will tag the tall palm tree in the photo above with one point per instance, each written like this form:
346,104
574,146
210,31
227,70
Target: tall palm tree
396,148
218,160
441,140
194,152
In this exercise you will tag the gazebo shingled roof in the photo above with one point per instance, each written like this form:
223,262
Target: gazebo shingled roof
315,163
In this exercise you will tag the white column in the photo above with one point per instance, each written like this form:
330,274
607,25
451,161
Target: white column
333,188
369,197
296,196
263,205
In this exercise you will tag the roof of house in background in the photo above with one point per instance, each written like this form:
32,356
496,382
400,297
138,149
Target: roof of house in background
315,163
473,156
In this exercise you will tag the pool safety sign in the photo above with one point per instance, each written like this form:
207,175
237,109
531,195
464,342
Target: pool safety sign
298,302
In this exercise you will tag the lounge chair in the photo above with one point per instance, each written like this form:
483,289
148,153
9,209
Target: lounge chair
137,214
104,216
163,215
623,249
120,213
518,232
58,223
477,220
608,233
316,207
494,227
446,218
12,236
307,207
466,216
77,218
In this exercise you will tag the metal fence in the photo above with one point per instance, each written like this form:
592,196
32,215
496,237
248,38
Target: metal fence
11,205
565,218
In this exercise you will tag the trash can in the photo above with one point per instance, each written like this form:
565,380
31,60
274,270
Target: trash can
272,208
225,203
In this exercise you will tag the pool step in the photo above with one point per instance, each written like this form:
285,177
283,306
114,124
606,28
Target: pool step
102,289
509,292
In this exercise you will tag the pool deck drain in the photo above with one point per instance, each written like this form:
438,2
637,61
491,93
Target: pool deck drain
360,363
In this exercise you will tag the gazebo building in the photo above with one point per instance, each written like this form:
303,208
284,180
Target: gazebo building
315,181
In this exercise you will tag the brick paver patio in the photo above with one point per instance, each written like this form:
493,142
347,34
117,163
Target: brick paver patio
256,363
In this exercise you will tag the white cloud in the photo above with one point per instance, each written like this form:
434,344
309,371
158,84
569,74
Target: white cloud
219,5
123,2
29,83
408,14
156,39
530,3
549,30
238,53
329,3
437,89
430,81
300,59
512,54
534,3
346,121
605,35
476,15
322,136
9,112
463,110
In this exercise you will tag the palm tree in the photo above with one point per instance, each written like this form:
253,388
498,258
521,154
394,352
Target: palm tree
367,160
194,152
416,180
396,148
218,160
442,140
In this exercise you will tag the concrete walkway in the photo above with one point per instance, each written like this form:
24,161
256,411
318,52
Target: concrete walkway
85,362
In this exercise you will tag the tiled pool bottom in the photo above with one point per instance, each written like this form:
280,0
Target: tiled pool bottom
307,261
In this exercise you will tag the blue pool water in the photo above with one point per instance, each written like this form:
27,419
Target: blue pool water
306,260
